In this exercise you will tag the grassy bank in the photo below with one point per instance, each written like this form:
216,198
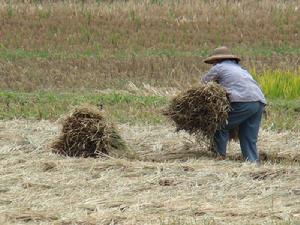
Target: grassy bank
124,107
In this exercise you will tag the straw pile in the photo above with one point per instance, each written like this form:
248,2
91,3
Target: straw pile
202,109
86,133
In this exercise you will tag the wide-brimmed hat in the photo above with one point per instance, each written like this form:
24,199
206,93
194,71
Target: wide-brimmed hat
220,54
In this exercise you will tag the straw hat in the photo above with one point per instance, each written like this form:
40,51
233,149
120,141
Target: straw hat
220,54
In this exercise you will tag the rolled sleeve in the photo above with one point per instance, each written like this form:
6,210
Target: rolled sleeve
211,75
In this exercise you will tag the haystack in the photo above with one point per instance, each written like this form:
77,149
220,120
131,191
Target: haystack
86,133
200,110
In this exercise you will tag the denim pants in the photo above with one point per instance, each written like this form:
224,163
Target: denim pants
246,115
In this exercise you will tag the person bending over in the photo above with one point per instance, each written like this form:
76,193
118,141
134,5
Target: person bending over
246,100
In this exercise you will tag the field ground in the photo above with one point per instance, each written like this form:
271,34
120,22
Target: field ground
174,182
131,56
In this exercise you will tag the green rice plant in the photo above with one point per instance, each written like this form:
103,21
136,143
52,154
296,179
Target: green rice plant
88,15
279,84
115,38
85,34
157,2
135,19
44,14
10,9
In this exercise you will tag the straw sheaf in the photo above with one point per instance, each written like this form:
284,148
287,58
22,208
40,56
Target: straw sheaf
86,133
201,109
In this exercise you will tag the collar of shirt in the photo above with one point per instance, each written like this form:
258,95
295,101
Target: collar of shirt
228,61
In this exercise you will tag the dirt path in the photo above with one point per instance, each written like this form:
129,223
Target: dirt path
175,183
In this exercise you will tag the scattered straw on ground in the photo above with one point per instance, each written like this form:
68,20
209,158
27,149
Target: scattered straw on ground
39,187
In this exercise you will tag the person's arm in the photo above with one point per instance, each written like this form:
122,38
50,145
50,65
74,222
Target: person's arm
211,75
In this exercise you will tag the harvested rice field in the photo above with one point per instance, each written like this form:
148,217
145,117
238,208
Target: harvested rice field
136,63
173,182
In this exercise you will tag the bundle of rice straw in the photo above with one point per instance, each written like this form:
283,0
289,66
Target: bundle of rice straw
86,133
202,109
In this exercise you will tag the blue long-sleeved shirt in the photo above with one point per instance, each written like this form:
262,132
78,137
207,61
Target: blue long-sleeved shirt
237,82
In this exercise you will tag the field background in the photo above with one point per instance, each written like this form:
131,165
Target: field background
132,56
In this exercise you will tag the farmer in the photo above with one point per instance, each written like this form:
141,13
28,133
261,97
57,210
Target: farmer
247,102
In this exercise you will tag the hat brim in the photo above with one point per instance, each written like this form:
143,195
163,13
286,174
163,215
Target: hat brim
213,59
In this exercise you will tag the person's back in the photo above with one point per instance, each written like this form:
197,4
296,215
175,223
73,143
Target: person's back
237,82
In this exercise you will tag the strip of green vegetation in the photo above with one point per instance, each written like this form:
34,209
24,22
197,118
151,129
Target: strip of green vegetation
124,107
279,84
50,105
13,54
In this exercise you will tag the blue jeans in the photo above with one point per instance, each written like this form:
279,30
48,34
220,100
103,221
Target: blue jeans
246,115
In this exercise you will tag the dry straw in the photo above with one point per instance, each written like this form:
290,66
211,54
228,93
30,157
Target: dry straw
86,133
202,109
41,188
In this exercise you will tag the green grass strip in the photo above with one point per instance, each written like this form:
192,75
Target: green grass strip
51,105
13,54
124,107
